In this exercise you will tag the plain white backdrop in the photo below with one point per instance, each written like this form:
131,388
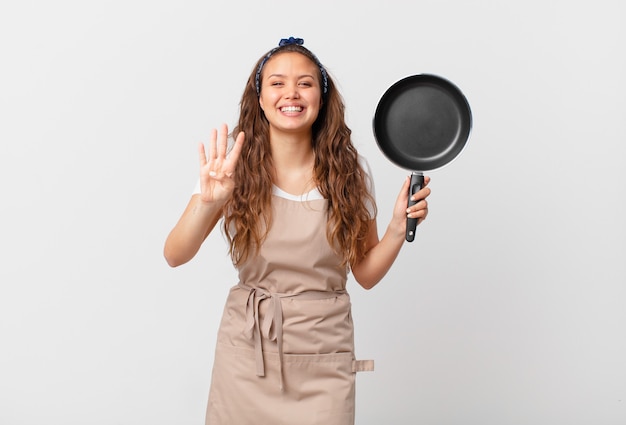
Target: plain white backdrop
508,309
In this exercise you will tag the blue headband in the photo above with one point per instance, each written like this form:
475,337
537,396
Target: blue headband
287,42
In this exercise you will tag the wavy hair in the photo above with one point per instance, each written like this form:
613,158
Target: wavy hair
338,175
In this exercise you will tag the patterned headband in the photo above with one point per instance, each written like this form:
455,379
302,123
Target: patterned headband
287,42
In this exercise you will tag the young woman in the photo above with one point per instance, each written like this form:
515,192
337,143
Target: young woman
297,206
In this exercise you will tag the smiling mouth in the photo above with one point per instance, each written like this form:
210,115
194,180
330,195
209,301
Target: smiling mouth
291,109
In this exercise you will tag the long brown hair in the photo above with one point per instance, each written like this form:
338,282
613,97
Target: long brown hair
337,172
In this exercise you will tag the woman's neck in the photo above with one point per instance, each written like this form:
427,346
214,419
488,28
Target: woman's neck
293,159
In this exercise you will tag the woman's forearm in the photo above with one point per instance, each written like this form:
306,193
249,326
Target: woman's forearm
380,257
196,222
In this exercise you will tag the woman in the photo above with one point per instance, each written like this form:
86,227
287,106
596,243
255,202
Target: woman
298,213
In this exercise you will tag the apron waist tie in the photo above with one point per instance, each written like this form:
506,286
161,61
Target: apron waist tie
272,326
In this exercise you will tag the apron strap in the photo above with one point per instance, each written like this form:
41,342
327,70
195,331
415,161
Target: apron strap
362,366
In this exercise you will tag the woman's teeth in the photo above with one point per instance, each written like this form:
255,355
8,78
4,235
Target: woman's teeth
291,109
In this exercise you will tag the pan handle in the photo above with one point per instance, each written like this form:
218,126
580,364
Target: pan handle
417,182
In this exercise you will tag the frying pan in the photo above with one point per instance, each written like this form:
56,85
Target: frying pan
421,123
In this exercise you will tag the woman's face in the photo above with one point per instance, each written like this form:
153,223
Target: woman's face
290,93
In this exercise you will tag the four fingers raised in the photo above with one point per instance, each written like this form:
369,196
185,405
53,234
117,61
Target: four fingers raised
219,162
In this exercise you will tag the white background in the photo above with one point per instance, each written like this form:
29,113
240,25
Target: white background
509,308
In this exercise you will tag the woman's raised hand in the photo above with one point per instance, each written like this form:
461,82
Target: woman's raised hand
216,169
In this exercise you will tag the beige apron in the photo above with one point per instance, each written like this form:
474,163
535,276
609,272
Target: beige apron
285,347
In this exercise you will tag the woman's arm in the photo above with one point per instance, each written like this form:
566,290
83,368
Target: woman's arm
205,208
382,253
195,224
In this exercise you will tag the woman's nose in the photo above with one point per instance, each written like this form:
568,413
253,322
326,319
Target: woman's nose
292,91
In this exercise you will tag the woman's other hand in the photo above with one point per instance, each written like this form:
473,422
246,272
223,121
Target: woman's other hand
419,211
216,169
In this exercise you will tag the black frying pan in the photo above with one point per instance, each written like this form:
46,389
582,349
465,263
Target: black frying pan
422,122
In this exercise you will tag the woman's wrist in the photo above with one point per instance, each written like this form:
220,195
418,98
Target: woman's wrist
207,208
397,228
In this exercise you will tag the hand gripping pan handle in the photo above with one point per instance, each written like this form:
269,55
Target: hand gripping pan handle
417,182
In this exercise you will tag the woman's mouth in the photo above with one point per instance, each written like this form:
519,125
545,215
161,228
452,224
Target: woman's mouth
291,109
